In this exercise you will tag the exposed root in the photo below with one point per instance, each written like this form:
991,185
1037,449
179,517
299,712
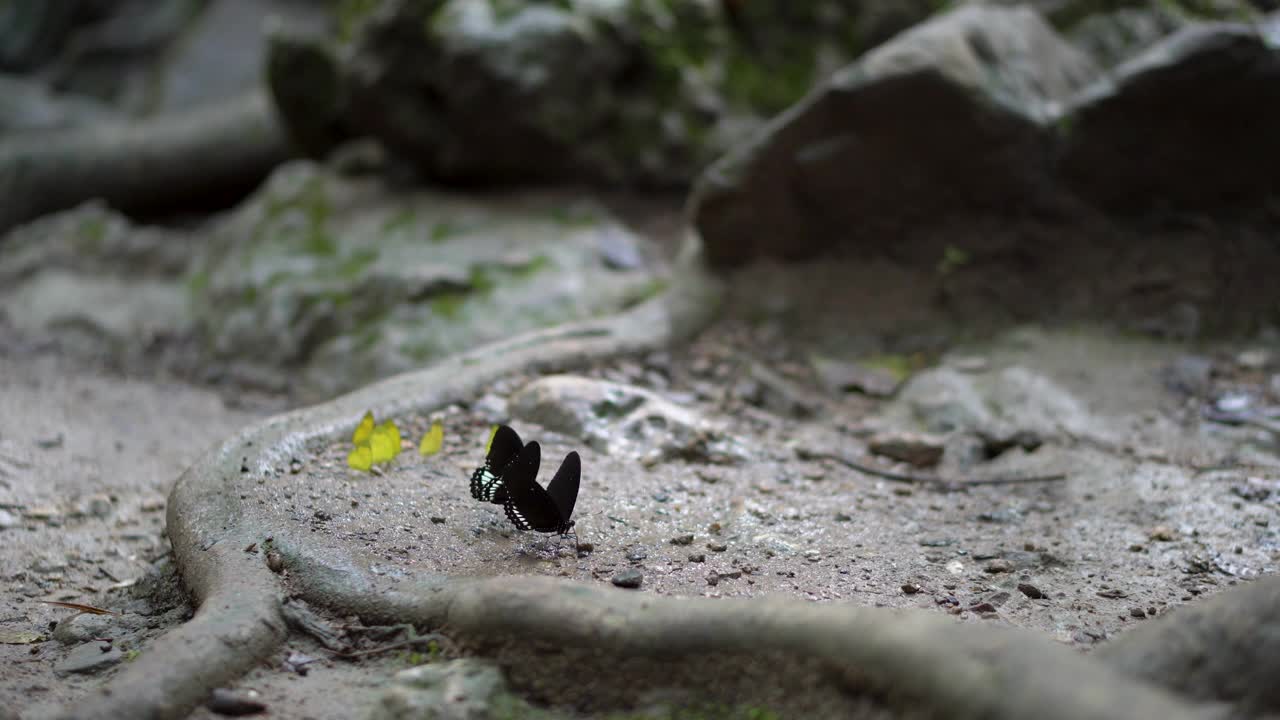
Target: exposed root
238,625
1226,648
921,660
155,164
240,619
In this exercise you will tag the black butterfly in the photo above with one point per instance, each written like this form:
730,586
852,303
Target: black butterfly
531,507
486,482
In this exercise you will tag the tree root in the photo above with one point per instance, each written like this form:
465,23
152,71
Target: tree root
155,164
922,660
240,619
1226,648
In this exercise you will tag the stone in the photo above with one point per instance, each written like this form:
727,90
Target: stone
918,449
85,627
550,91
9,520
848,156
1031,591
847,376
1222,81
613,418
88,659
462,689
630,579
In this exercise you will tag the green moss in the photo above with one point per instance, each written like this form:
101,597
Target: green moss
401,220
93,231
953,258
443,230
534,266
357,263
481,280
901,366
197,283
448,305
350,13
770,87
646,291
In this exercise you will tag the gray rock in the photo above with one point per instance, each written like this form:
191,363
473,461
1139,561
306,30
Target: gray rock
9,520
1222,81
456,690
27,105
1001,407
849,156
537,91
89,658
85,627
630,578
354,285
611,417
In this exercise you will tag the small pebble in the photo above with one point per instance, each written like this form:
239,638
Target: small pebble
983,607
686,539
437,520
999,565
637,555
1138,612
275,563
628,579
1161,533
1030,591
698,557
910,589
717,546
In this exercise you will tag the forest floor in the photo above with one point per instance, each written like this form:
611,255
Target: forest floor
1147,505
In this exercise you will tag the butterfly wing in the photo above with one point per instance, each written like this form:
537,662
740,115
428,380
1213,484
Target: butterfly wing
529,506
486,481
563,488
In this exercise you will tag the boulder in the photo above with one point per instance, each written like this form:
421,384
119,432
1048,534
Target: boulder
624,91
943,120
1189,125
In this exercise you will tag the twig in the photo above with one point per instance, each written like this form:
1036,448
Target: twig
304,621
928,479
410,642
82,608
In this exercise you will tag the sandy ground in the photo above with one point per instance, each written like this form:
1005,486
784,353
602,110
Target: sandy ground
86,460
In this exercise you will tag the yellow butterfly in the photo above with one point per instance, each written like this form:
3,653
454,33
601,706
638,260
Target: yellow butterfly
361,458
374,443
363,430
432,440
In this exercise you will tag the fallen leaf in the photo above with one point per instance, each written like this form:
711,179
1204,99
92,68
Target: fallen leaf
82,608
364,430
19,637
432,440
